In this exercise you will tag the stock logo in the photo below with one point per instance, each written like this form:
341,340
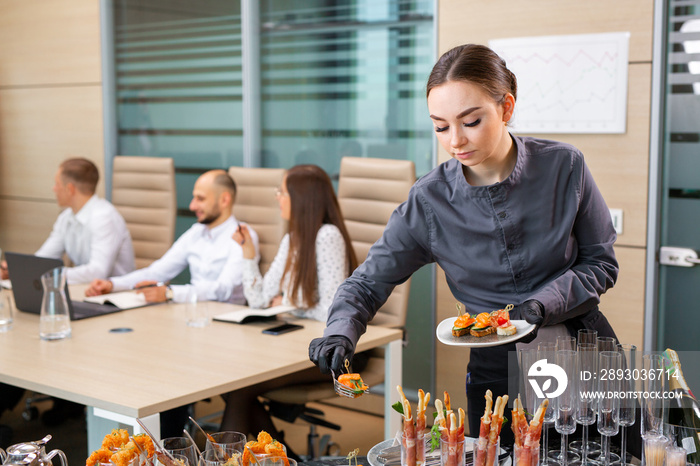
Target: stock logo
544,370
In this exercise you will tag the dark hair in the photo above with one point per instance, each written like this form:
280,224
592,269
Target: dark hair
313,204
477,64
82,173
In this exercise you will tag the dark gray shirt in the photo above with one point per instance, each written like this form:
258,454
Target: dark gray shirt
543,233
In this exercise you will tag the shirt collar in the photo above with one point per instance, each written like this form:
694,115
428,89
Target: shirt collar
223,229
83,215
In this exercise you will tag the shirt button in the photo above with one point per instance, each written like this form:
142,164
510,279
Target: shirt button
518,275
502,215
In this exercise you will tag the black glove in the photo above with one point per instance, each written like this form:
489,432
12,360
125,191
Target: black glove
533,313
330,353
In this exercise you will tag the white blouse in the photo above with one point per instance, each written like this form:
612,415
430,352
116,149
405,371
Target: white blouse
331,270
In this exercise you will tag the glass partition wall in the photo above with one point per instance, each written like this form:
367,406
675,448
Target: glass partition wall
336,79
332,79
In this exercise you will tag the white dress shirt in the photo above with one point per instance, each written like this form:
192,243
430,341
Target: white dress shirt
214,258
331,270
95,239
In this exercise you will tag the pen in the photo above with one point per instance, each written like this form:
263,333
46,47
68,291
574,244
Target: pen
152,285
241,233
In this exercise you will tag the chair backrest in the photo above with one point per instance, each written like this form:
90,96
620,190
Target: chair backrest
257,206
143,191
369,190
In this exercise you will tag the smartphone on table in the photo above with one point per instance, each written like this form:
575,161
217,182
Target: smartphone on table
280,329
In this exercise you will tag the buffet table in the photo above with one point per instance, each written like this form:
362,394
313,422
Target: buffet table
137,363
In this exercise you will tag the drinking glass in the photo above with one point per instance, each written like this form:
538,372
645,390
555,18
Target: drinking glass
277,461
228,442
181,446
676,456
6,318
212,458
585,414
180,460
564,404
196,311
609,402
587,336
652,407
567,343
654,449
627,403
546,350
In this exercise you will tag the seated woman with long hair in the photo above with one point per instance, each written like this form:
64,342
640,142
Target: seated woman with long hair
313,259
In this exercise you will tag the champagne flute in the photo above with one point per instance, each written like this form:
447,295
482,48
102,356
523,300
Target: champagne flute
652,408
587,336
566,343
604,344
546,350
585,414
609,403
562,343
564,404
627,403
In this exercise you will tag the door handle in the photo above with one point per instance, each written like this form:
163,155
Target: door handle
679,257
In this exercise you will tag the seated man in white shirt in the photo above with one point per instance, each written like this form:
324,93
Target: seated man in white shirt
214,258
94,236
90,231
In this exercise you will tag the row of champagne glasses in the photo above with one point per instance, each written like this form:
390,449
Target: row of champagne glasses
584,400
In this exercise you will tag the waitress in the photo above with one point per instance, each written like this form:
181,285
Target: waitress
510,220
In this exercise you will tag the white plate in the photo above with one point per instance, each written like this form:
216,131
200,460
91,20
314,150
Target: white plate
444,334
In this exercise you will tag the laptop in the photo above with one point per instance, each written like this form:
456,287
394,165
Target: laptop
25,275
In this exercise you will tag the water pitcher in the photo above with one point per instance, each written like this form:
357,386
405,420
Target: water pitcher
54,320
33,454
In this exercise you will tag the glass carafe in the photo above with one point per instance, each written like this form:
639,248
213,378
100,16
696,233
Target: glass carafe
34,454
54,320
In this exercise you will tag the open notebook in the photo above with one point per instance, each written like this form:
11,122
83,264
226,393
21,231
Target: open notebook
243,314
122,299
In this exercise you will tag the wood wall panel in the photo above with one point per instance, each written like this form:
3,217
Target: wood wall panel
623,305
39,128
477,22
26,224
56,42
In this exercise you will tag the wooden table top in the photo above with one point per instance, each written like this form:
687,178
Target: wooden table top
161,364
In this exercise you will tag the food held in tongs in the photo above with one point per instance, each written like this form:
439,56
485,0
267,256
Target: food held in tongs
349,385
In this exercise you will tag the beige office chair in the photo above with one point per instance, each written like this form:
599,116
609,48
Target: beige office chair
368,192
143,191
256,205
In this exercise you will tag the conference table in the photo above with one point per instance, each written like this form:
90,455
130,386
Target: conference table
137,363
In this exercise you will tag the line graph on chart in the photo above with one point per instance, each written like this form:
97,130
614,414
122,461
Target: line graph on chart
568,84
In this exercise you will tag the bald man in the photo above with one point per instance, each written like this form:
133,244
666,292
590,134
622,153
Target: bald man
214,258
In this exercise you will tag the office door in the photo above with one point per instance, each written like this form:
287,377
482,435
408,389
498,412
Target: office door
679,235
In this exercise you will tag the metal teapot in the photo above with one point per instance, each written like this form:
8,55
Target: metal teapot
33,454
